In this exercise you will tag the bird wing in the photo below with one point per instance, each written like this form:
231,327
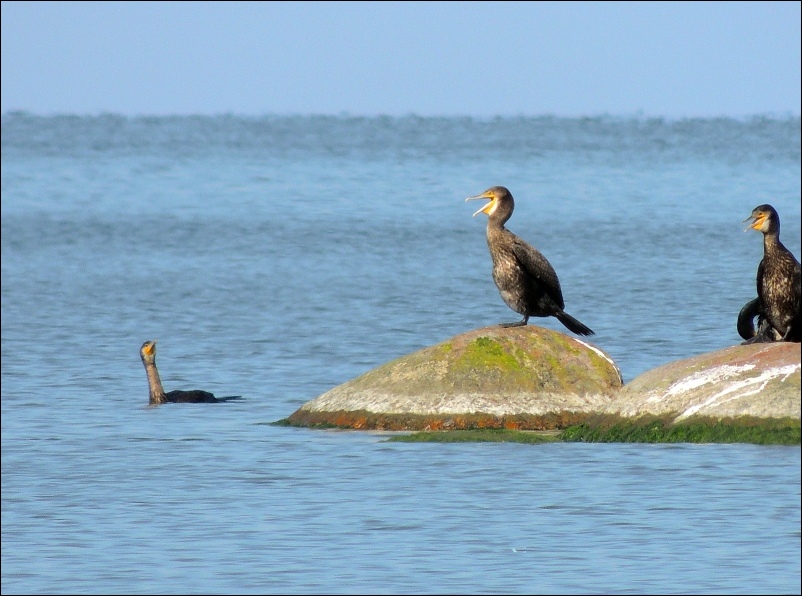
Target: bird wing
760,268
796,280
533,261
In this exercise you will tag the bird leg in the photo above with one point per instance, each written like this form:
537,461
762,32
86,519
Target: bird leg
520,323
765,335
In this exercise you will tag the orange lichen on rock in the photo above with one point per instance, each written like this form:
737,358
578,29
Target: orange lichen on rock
362,420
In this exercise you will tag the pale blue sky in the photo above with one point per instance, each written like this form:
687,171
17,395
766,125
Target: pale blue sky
672,59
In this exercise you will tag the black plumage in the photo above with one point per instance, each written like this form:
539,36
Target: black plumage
753,326
779,282
526,280
157,395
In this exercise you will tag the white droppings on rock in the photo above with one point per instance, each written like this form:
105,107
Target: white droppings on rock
704,377
603,355
738,389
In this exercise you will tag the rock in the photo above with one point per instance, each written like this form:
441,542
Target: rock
759,380
528,378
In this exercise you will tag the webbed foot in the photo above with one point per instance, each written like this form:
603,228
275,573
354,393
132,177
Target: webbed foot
520,323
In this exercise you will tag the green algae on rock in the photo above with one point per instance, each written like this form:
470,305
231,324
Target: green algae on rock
527,378
495,435
643,429
694,429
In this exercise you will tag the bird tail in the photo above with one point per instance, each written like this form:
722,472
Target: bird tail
573,324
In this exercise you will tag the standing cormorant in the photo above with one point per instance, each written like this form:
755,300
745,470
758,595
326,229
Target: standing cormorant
779,282
747,328
157,394
526,280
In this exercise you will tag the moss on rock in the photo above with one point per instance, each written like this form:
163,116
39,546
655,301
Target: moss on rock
697,429
521,377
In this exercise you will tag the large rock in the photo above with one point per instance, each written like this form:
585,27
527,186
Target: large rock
520,377
759,380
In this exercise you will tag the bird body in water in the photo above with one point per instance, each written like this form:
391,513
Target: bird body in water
157,394
526,280
779,281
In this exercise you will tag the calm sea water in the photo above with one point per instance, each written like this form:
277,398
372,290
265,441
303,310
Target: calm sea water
276,258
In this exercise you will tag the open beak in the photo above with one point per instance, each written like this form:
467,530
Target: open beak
486,208
757,221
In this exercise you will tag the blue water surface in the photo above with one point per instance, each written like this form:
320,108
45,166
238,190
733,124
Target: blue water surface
277,257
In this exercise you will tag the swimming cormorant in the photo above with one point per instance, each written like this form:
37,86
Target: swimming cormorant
526,280
779,281
157,394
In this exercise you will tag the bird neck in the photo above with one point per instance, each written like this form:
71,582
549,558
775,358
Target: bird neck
496,225
771,242
154,384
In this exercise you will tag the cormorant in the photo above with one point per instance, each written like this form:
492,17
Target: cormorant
526,280
779,281
157,394
753,333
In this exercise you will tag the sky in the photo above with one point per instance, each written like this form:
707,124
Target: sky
480,59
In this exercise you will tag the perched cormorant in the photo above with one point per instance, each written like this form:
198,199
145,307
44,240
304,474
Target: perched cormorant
755,333
157,394
526,280
779,281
